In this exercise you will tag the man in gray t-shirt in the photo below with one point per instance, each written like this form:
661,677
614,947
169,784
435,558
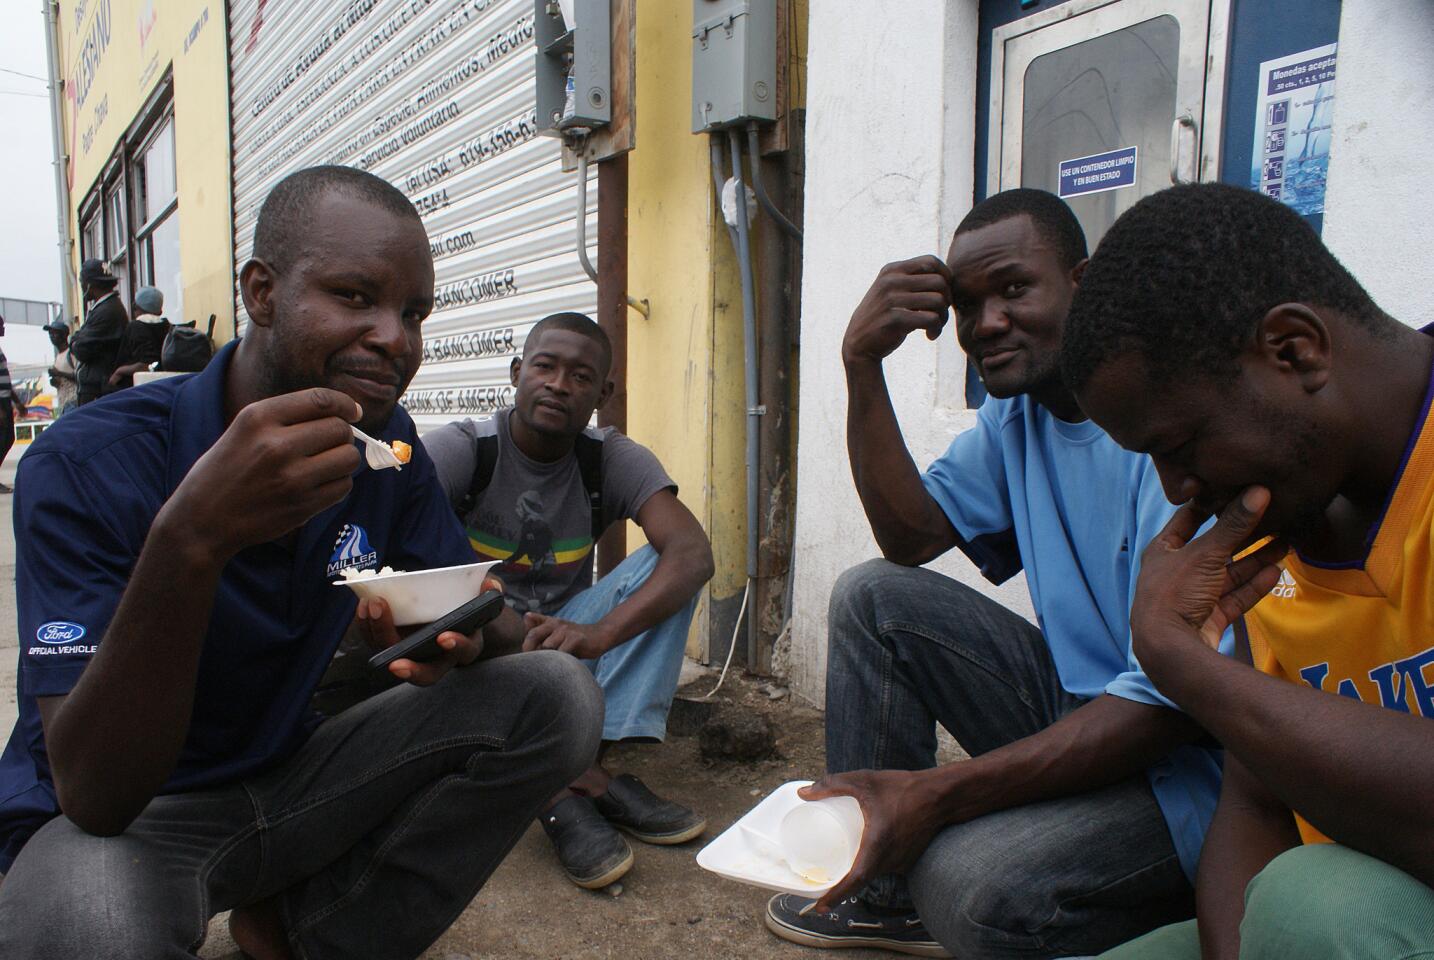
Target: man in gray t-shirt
535,517
535,487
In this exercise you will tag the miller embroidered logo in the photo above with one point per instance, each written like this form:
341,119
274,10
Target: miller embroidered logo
351,549
1286,588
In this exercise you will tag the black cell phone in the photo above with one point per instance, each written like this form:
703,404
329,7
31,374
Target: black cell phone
422,645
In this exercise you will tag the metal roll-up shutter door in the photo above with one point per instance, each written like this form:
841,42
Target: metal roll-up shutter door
435,96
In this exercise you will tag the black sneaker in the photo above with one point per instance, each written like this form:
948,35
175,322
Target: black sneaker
851,924
592,853
628,804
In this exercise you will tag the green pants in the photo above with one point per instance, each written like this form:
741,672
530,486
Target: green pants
1321,900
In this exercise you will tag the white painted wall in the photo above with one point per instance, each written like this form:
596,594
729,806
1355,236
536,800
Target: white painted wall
890,144
1377,204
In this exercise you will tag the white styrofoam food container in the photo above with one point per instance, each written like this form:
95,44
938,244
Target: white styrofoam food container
749,851
422,596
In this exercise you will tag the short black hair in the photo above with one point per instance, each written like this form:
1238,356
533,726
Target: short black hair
575,323
284,219
1053,220
1185,276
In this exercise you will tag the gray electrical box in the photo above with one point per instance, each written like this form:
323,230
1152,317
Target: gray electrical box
734,62
581,51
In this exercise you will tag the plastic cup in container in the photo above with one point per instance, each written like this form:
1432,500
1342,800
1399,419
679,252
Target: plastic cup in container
820,838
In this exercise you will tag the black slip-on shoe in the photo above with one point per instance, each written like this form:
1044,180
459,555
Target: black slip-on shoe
851,924
592,853
630,805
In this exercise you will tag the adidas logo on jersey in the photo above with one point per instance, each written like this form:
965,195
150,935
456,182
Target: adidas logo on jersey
1286,588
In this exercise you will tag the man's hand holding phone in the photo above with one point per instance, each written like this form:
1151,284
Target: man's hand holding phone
374,620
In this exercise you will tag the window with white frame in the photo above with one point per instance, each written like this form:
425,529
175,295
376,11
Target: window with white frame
117,231
130,219
92,234
156,209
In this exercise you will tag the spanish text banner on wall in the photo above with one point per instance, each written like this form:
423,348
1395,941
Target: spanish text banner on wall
435,96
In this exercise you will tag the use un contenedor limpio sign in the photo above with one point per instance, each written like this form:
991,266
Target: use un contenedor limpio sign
1098,172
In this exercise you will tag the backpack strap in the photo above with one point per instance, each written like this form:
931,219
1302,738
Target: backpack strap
485,450
589,451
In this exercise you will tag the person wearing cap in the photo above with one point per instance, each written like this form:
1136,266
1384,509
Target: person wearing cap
143,338
62,371
7,400
95,346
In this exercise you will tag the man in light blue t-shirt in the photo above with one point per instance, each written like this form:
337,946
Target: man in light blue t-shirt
1079,820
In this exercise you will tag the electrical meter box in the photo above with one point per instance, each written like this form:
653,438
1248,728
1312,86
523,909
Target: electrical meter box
734,62
574,64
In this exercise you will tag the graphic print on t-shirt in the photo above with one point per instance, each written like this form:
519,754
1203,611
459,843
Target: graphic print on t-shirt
529,561
535,517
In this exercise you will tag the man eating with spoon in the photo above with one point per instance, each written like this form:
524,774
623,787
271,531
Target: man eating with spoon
176,548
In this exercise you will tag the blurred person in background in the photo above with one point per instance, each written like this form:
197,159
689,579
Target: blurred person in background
95,346
62,371
10,408
143,338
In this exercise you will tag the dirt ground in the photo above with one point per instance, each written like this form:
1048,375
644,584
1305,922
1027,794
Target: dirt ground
666,906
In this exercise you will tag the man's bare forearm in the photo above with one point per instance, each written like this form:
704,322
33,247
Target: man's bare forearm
1105,741
1250,828
504,635
682,568
115,738
908,524
1358,772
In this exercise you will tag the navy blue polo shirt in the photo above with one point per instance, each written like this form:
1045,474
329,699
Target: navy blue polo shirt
85,496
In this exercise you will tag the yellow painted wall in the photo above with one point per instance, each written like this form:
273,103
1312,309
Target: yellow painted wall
685,385
113,54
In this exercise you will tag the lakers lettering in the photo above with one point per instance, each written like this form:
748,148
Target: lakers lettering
1397,683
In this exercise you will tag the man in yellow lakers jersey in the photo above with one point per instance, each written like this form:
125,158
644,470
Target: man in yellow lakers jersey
1215,332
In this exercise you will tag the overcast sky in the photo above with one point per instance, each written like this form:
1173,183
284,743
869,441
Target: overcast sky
29,251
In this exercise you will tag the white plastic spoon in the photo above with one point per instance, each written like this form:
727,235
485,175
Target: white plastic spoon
378,453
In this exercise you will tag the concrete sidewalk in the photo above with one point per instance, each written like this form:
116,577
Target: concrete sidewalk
666,907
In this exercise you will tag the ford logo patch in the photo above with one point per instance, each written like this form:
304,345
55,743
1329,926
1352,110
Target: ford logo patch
59,631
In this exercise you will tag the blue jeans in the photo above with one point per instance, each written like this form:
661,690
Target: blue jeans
375,835
638,678
909,649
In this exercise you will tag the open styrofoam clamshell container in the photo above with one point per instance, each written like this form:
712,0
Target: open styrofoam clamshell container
788,844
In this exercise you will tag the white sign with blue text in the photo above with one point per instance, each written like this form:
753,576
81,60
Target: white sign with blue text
1098,172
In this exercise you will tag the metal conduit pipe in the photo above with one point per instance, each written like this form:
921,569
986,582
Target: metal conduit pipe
639,305
719,180
57,141
762,198
583,218
754,409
